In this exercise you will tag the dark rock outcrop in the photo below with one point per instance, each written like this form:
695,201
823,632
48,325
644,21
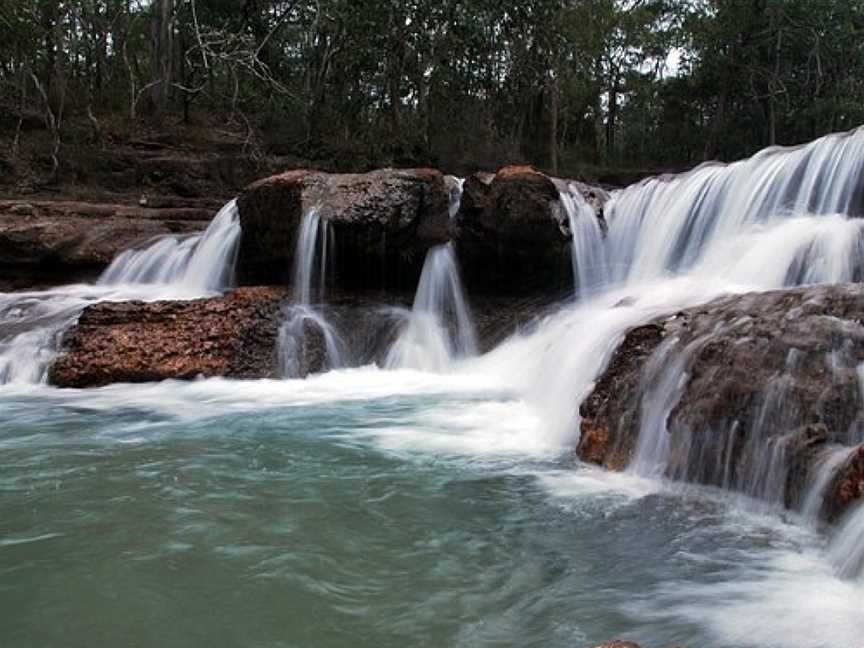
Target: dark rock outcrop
382,223
847,487
609,422
233,336
511,230
767,380
68,236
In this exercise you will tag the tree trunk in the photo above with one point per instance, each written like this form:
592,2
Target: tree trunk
48,24
162,53
612,118
554,105
711,145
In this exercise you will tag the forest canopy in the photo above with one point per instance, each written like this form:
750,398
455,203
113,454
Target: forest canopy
454,83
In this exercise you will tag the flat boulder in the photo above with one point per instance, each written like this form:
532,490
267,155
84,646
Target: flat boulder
744,393
380,224
232,336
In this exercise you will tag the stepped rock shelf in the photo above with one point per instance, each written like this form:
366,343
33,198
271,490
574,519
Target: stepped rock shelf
74,237
746,393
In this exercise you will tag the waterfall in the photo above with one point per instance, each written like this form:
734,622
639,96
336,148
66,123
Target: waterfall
785,217
666,225
825,469
439,328
426,342
457,186
32,323
199,262
782,218
846,551
296,345
590,265
306,252
297,353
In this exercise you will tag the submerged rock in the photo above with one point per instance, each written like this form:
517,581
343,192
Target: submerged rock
232,336
382,223
766,381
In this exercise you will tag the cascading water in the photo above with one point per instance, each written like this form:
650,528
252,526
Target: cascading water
590,266
667,225
441,504
824,470
439,328
426,342
31,324
200,262
301,321
782,218
847,549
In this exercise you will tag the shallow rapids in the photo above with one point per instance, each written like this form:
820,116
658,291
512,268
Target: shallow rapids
400,507
436,502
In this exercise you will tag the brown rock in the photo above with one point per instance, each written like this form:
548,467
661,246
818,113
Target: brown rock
619,644
770,379
847,487
233,336
512,232
606,438
22,209
69,235
382,223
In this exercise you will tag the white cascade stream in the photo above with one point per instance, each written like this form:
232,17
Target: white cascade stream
32,323
315,243
786,217
439,329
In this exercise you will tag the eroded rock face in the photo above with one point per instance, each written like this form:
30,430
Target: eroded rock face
767,380
512,231
232,336
78,236
382,223
847,487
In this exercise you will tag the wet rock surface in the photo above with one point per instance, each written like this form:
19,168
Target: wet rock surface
767,380
511,231
71,236
847,487
232,336
382,223
237,335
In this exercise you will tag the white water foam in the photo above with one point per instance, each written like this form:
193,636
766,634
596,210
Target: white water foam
439,329
32,323
199,263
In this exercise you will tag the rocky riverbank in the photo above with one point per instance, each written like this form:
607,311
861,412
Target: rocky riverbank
754,390
511,230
